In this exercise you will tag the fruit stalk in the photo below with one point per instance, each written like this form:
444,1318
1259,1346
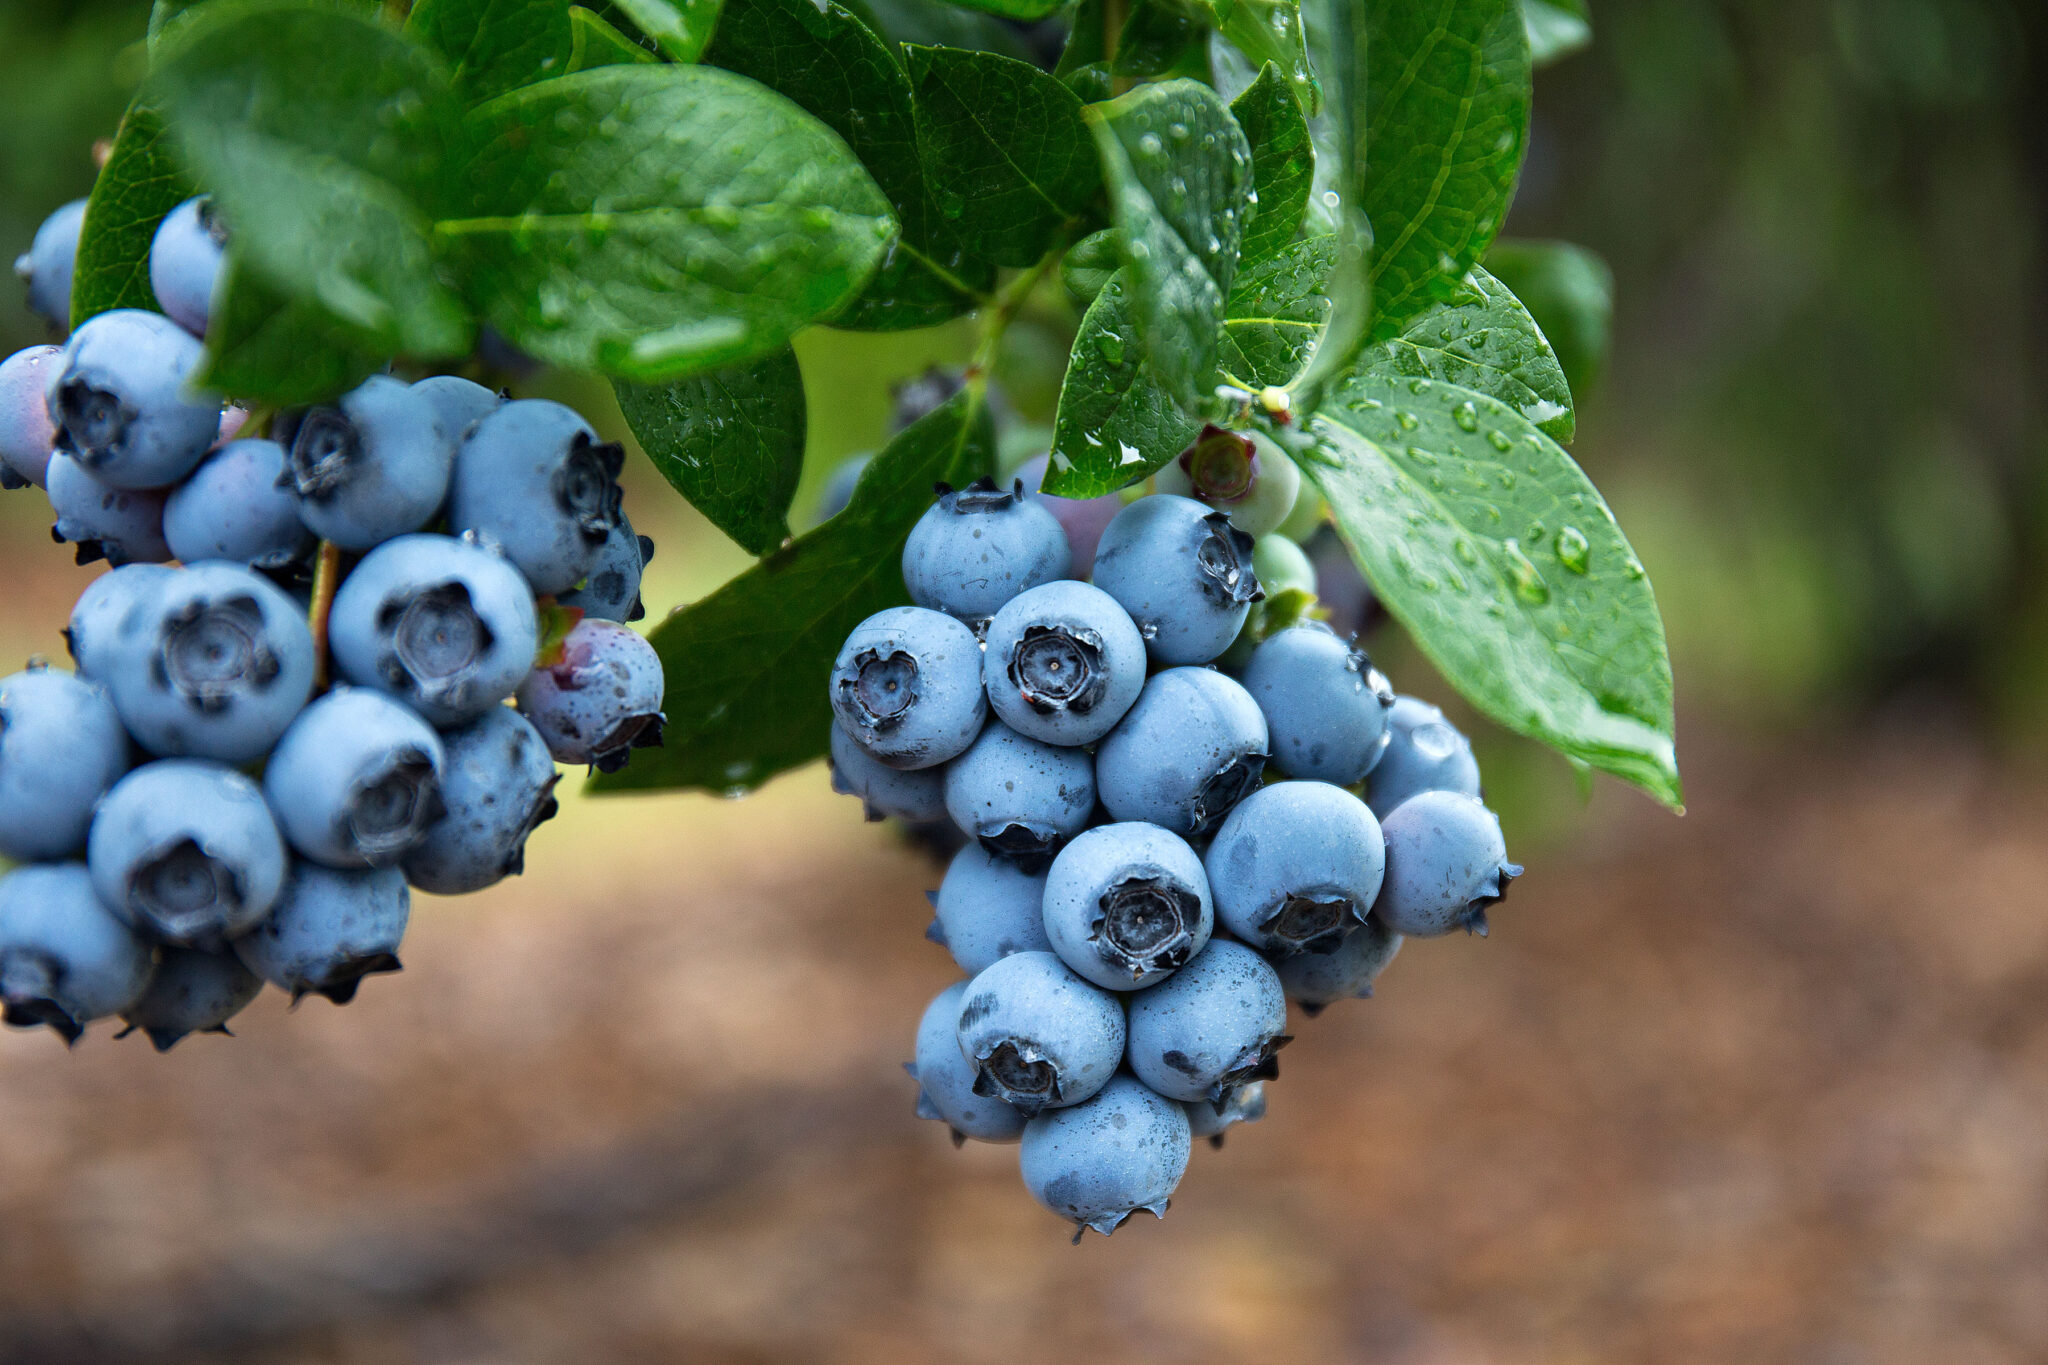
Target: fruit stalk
326,578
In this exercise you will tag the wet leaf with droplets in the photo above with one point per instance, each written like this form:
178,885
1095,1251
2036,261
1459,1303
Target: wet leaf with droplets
1570,293
492,46
1483,339
1276,311
1283,163
1112,404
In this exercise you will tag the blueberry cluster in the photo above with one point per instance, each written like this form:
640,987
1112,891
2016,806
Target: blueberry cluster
1185,801
196,809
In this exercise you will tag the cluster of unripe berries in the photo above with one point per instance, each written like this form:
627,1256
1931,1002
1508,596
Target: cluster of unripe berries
1183,808
197,810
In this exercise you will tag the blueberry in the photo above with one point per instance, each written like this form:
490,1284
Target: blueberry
1446,862
1316,980
184,262
612,591
1190,749
1083,519
1425,753
1325,704
945,1079
600,699
917,399
119,525
65,960
446,626
978,547
498,785
187,852
217,663
61,747
372,465
47,265
330,930
356,781
460,403
1064,663
917,795
534,477
27,436
1127,904
1211,1027
237,506
193,991
1039,1036
1184,574
1246,1104
988,908
907,687
122,398
1296,867
1246,476
840,483
1099,1162
108,611
1020,798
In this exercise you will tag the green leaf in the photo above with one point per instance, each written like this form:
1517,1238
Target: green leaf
681,28
1086,43
1447,97
265,347
1504,564
1570,292
1015,9
839,70
1161,38
747,667
1336,42
596,43
140,183
1482,338
1276,313
731,441
934,23
1283,162
1179,176
1118,419
492,46
323,136
1272,31
1010,161
1556,28
651,222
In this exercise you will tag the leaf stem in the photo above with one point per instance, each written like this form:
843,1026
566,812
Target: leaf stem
326,578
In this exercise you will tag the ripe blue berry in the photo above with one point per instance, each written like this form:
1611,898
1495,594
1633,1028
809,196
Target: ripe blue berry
945,1079
193,991
1245,476
27,436
533,476
1184,574
1190,749
107,612
1316,980
46,267
460,403
1211,1027
1296,867
123,397
1446,862
978,547
184,262
917,794
1127,904
1083,519
1039,1036
65,960
446,626
1064,663
356,780
119,525
907,687
238,506
1246,1104
1020,798
61,747
600,700
216,665
1425,753
372,465
330,930
187,852
498,785
1099,1162
1325,704
988,908
612,591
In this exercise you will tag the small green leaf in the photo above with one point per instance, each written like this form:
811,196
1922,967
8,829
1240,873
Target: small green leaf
731,441
1271,31
492,46
1283,162
1117,419
1570,292
596,43
1086,43
651,222
1482,338
681,28
1009,159
1161,38
1179,176
748,666
1276,313
935,23
1556,28
264,347
1026,10
1504,564
140,183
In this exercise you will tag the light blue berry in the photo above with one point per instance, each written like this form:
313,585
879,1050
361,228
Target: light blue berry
916,794
1211,1027
1317,980
238,506
65,960
110,610
460,403
1039,1036
1064,662
978,547
61,747
612,591
119,525
1099,1162
1296,867
1184,574
600,699
907,687
193,991
1127,904
988,908
356,780
123,397
27,436
533,477
187,852
1425,753
945,1079
184,262
1446,862
498,785
47,266
330,930
1084,519
1186,752
372,465
1020,798
1325,704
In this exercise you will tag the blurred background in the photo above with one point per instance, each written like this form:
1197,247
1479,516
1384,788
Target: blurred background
1768,1082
